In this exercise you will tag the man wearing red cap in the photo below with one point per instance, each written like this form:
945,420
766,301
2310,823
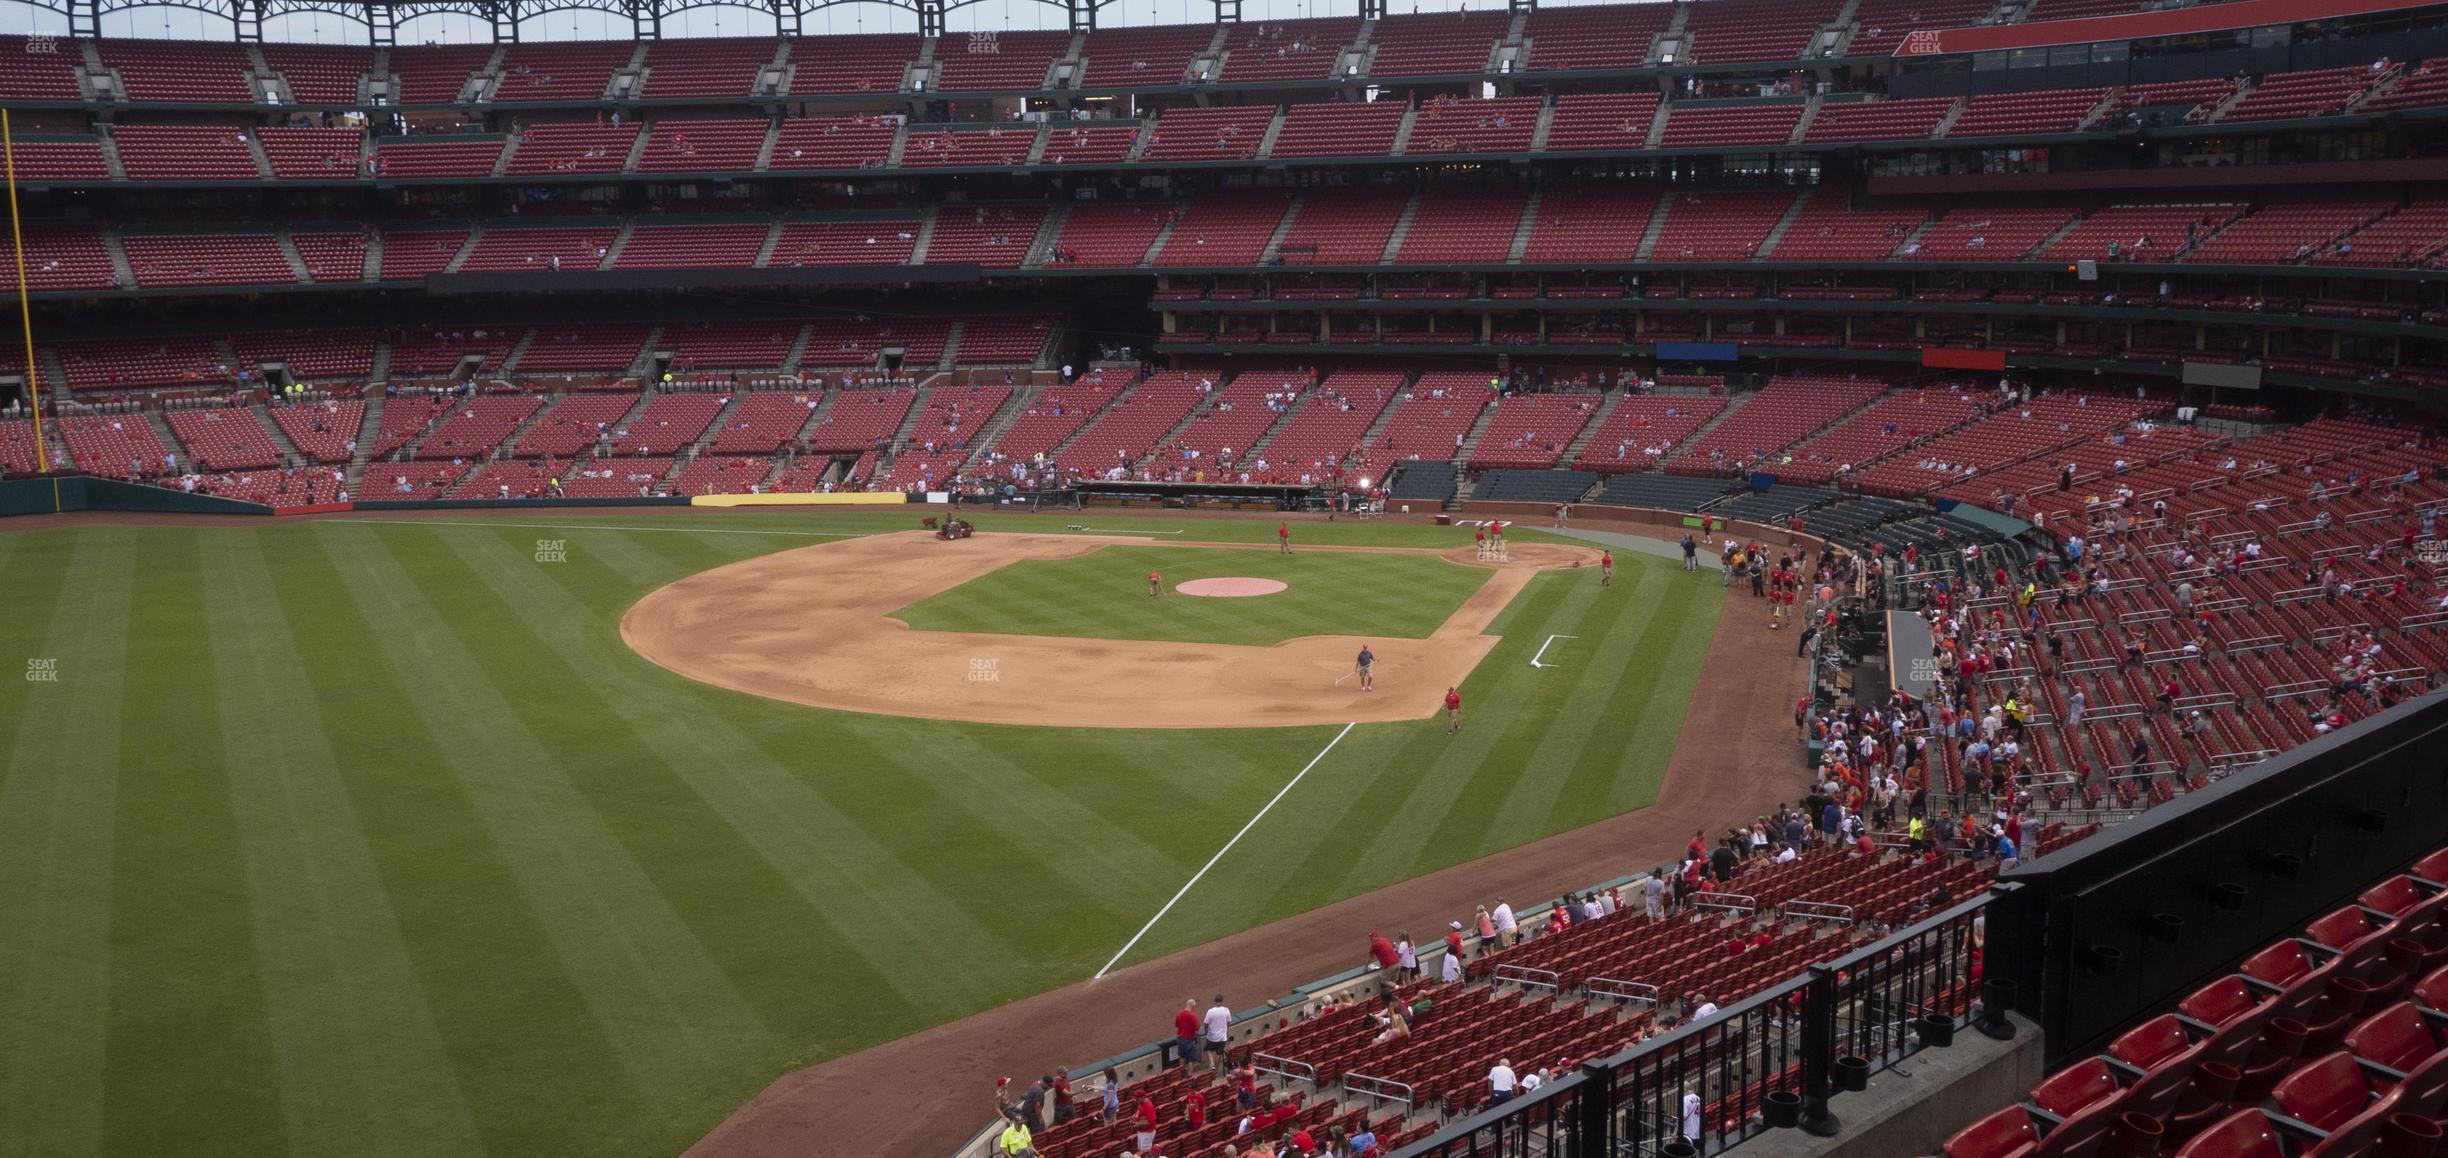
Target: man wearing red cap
1381,951
1453,710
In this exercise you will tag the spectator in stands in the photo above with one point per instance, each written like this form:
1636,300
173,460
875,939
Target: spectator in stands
1145,1118
1507,929
1502,1085
1186,1026
1219,1033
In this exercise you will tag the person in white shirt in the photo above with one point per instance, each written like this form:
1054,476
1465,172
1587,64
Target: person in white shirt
1452,972
1501,1082
1706,1009
1219,1033
1691,1118
1506,926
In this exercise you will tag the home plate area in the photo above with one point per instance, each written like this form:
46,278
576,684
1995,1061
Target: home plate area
1235,587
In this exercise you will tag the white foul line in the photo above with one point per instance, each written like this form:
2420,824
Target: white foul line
1211,861
589,525
1534,660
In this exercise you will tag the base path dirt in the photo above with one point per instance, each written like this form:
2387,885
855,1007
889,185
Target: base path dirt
924,1095
813,626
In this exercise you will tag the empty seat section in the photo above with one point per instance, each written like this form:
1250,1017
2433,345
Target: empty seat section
1462,226
728,345
1429,421
721,475
1987,234
1530,431
573,147
1089,144
1579,227
1230,421
432,74
320,74
939,436
505,250
1499,125
225,438
65,257
617,477
1436,43
990,61
323,431
470,156
1719,226
184,71
1783,413
2284,95
1260,50
1609,121
991,146
606,346
1057,413
312,355
1195,134
1339,129
1737,30
852,64
859,420
991,236
1643,429
2285,233
184,153
430,351
2001,439
1880,26
831,143
705,67
1107,235
1342,227
1719,126
408,256
29,72
2422,87
2195,97
120,446
1129,429
1326,428
765,421
668,424
184,259
1228,229
1593,36
1004,341
708,146
2005,114
1889,425
849,342
332,257
60,160
1145,57
2410,236
566,71
691,247
814,243
312,154
2139,232
1889,120
112,364
1828,230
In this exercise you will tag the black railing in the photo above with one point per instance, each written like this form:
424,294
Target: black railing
1771,1061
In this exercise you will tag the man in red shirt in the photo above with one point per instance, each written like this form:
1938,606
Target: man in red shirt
1283,537
1194,1109
1606,568
1155,581
1186,1026
1146,1119
1381,952
1453,710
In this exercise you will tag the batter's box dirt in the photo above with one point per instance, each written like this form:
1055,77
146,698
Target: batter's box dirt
812,626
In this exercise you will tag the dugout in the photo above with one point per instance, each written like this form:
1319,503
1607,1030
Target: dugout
1198,496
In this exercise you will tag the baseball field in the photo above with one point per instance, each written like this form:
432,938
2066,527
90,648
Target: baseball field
527,835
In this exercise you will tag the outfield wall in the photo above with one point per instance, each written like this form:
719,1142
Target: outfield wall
66,494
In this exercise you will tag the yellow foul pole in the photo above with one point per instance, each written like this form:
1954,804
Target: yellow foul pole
25,309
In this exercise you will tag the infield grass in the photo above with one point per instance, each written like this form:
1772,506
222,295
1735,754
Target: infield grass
371,838
1103,595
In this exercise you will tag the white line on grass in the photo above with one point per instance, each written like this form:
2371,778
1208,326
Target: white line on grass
1211,861
591,526
1075,527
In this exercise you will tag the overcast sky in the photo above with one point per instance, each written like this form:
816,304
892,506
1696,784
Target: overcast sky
17,16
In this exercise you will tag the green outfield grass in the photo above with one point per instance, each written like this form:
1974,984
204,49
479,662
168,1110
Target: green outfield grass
371,838
1104,596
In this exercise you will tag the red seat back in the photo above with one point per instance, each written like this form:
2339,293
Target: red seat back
2080,1135
2432,990
2219,1002
2342,928
2394,1037
2151,1044
2076,1087
2243,1134
2279,964
2326,1092
2393,896
2008,1133
2433,867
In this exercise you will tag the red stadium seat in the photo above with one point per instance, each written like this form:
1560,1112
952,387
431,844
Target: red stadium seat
2244,1134
2008,1133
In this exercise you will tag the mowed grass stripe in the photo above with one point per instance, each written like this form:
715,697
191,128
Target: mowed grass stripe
57,815
534,1066
725,805
362,1065
650,986
1652,698
183,962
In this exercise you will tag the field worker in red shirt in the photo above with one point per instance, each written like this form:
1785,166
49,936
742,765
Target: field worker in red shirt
1155,582
1453,709
1606,568
1283,537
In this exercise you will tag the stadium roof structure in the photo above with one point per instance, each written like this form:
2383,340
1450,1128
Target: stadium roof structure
382,18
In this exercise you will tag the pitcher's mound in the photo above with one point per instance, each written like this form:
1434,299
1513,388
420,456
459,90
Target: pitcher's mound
1233,588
